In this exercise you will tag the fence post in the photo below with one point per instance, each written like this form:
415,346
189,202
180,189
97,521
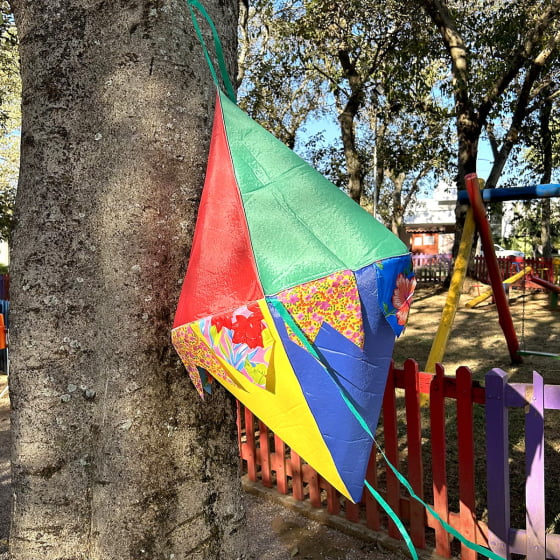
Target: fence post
266,473
497,478
534,469
297,475
465,438
250,443
439,472
414,437
372,513
390,437
279,465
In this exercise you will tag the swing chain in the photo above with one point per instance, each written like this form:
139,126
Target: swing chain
524,292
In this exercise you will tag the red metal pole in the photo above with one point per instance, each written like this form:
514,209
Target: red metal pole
504,315
540,281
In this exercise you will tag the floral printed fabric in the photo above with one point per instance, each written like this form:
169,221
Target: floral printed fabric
396,284
242,339
333,299
194,353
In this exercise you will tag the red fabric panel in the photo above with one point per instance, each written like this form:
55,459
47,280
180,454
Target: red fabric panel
222,274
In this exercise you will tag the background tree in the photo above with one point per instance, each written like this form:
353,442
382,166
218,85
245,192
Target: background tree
275,88
501,55
538,159
349,45
114,454
360,66
10,118
413,146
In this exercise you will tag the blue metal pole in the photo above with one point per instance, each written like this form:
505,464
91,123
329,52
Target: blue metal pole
514,193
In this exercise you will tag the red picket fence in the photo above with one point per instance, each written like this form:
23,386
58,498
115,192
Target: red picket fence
406,426
546,268
435,269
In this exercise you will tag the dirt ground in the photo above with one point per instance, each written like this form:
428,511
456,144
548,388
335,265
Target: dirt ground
280,533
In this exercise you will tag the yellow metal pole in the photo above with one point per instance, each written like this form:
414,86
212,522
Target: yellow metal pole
453,295
478,299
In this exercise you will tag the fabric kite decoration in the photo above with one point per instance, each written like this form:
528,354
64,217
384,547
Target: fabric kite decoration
292,299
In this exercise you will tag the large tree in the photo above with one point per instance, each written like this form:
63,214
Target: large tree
10,118
114,455
501,56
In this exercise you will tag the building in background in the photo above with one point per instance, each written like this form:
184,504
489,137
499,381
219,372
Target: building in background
431,225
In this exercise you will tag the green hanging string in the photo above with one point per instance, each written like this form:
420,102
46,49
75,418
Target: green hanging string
394,517
194,4
289,320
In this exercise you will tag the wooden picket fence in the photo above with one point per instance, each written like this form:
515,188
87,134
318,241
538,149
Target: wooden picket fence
431,269
535,398
435,269
416,440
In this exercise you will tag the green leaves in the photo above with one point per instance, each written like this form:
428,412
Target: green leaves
412,85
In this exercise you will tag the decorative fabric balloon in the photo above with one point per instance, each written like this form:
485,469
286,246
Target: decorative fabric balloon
292,298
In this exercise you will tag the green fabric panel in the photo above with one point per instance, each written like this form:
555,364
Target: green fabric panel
302,227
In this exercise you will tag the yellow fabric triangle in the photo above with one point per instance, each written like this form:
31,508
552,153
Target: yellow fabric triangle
282,406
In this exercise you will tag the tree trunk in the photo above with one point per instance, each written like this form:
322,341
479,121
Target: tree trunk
468,131
397,214
114,455
353,163
545,115
347,120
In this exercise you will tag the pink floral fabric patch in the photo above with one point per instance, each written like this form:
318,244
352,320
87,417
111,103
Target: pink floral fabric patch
333,299
242,339
194,353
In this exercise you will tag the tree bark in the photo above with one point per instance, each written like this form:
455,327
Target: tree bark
114,455
545,115
347,120
397,210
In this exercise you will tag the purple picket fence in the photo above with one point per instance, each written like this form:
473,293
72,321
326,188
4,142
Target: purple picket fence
533,542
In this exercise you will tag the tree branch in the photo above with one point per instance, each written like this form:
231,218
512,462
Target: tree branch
523,57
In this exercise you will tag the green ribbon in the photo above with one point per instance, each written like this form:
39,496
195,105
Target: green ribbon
289,320
194,4
473,546
394,517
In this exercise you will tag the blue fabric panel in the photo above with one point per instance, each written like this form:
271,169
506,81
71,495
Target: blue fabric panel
347,441
395,278
362,374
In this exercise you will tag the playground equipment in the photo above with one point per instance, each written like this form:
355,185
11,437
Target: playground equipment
484,296
552,288
545,284
554,291
514,193
454,294
477,215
